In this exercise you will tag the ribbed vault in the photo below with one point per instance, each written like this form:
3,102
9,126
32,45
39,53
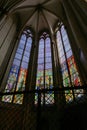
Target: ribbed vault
39,14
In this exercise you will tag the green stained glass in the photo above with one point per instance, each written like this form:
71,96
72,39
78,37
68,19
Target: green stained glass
71,61
66,82
18,72
48,82
40,73
67,63
39,83
14,69
11,82
48,72
7,98
21,80
72,69
68,95
65,74
44,71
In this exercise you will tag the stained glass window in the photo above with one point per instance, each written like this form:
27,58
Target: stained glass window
44,78
68,65
17,76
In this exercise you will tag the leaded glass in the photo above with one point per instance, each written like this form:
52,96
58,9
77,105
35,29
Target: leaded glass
24,65
20,51
68,66
16,62
69,54
44,70
18,73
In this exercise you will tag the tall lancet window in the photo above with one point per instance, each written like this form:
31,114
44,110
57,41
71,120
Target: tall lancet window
18,72
69,70
44,78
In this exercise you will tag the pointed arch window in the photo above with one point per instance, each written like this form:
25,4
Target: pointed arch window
69,70
44,79
18,72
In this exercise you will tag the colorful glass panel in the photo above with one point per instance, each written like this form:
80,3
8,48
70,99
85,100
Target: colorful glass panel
18,73
44,70
67,62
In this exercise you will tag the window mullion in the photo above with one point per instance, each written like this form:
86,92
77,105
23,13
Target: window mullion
66,58
20,68
44,73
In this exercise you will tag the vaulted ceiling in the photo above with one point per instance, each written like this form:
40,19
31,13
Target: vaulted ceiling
38,14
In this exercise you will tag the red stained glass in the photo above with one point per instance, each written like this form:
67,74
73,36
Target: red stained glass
67,62
44,70
40,83
71,60
18,73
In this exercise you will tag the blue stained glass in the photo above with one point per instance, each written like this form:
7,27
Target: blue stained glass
23,37
66,42
17,75
27,48
47,45
64,37
40,60
26,53
28,45
48,59
67,47
12,76
44,69
16,62
25,59
48,65
18,56
20,51
24,65
29,40
41,44
48,50
14,69
22,42
48,54
21,46
41,55
40,66
47,41
41,51
69,53
62,28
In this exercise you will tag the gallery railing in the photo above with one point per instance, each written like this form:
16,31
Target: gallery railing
27,116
